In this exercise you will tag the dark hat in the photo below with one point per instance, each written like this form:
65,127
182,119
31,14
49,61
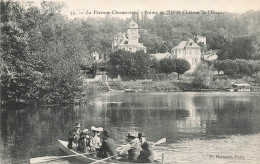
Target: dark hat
77,125
132,134
106,133
141,135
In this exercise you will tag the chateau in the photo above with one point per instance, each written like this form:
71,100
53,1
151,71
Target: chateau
188,50
128,40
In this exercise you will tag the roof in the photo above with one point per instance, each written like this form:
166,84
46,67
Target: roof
122,43
160,56
132,24
190,43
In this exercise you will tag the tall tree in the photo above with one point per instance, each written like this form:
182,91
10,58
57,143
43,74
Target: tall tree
182,66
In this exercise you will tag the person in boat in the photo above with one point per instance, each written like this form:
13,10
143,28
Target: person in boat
74,136
84,142
95,142
146,154
133,148
108,147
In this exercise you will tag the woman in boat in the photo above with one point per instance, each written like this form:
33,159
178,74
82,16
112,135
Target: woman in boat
108,147
146,154
84,142
74,136
95,142
133,148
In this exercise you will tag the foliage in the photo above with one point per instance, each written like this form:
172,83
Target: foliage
182,66
168,65
220,84
129,65
163,86
203,76
243,47
238,67
257,78
41,54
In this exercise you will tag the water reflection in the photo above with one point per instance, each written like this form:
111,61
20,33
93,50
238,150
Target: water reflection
177,116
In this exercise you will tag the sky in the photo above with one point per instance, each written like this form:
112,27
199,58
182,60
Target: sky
94,8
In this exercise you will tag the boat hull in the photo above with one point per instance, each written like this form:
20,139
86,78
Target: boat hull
89,159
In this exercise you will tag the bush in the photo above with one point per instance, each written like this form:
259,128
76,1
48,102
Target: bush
220,84
257,78
203,76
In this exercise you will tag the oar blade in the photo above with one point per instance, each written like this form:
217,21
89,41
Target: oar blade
42,159
163,140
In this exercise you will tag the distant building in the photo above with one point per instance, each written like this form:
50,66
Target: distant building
209,55
128,40
201,39
160,56
96,56
188,50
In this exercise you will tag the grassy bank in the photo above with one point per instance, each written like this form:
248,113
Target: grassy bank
171,84
154,86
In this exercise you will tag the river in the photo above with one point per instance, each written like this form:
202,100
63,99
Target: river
200,127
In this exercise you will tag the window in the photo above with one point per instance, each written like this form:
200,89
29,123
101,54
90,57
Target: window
133,32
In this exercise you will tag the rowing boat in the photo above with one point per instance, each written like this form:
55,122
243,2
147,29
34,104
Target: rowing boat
88,158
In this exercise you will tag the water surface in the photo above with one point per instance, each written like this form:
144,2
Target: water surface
219,127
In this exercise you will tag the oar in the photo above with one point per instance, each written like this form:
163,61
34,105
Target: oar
104,159
52,158
163,140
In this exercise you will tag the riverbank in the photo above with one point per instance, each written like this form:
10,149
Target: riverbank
175,85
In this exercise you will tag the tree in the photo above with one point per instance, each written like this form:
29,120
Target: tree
182,66
231,68
168,65
203,75
129,65
41,54
219,65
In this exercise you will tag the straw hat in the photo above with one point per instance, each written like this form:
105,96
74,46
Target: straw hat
93,128
85,131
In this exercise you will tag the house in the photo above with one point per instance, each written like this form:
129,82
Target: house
96,56
188,50
128,40
201,39
209,55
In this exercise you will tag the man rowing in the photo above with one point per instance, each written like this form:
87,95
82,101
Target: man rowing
74,136
133,148
146,154
108,147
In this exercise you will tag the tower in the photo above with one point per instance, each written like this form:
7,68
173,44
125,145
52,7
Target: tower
132,33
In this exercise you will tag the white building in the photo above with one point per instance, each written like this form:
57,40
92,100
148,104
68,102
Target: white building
128,40
201,39
210,55
95,56
189,51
